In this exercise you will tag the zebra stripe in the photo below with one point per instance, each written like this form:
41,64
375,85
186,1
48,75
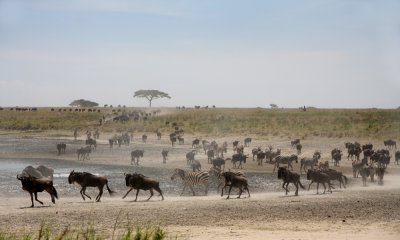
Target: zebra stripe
192,178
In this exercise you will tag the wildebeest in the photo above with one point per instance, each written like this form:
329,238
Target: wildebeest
232,180
298,148
235,144
144,138
84,153
139,181
158,135
294,142
164,154
61,148
247,141
195,143
289,177
190,157
323,165
136,155
319,177
397,157
357,166
111,142
91,142
354,152
380,172
172,138
238,157
218,163
210,155
196,165
85,179
34,185
336,175
390,143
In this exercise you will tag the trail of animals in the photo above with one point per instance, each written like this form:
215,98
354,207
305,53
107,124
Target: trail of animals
374,163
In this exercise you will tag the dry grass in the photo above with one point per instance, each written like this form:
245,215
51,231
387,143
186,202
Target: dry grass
337,123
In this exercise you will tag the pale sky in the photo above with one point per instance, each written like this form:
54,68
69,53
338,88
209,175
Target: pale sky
324,53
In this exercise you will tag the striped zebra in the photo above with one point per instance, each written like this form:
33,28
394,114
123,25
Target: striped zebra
192,178
285,160
307,162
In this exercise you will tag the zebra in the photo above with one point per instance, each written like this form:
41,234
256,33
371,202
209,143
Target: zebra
191,179
285,160
306,162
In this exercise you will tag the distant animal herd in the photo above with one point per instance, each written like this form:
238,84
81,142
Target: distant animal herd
373,163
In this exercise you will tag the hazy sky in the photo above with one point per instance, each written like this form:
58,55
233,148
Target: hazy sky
226,53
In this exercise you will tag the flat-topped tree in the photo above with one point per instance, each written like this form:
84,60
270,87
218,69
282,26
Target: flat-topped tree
83,103
150,95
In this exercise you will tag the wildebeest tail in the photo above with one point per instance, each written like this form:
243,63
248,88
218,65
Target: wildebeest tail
54,192
109,190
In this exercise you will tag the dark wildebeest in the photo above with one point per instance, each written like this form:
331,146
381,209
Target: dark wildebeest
367,146
238,157
254,151
196,165
111,142
84,153
158,135
380,172
195,143
260,157
91,142
232,180
355,151
289,177
390,143
294,142
319,177
144,138
190,157
337,157
210,155
139,181
218,162
235,144
172,138
397,157
164,154
34,185
85,179
61,148
136,155
247,142
336,175
298,148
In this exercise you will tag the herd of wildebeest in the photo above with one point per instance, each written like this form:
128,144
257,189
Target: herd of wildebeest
373,162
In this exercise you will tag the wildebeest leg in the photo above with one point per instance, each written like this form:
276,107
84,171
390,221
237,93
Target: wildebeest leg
151,194
84,193
286,188
159,191
127,193
323,183
31,198
317,187
247,188
240,192
297,188
37,199
100,194
283,186
229,192
137,193
309,185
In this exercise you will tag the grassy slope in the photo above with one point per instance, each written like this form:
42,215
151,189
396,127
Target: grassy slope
369,123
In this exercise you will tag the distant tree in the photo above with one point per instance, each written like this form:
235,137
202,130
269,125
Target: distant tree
83,103
105,105
273,105
150,95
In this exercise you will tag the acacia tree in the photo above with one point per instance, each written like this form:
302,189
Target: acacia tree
83,103
150,95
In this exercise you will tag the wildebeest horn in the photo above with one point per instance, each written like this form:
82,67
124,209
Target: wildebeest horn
18,177
124,174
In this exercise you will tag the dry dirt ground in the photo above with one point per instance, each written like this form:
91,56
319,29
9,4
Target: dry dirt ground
357,212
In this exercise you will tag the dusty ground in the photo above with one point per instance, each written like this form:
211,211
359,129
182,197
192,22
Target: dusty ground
354,213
